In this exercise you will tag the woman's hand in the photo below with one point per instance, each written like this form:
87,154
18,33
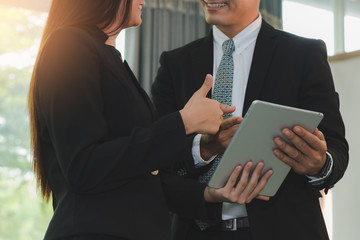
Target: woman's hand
245,190
201,114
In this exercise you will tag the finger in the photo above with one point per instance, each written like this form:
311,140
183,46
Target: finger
233,178
289,150
320,135
227,109
207,85
241,185
314,141
246,188
254,178
298,168
260,186
316,131
264,198
228,123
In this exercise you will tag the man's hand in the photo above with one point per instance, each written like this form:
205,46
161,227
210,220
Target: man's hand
211,145
307,156
245,190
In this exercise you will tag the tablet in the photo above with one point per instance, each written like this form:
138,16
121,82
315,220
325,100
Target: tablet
253,141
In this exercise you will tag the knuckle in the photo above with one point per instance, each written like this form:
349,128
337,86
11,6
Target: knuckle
241,200
233,198
309,165
302,145
318,157
216,103
227,195
294,154
242,184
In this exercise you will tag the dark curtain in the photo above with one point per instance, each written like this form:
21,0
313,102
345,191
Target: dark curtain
167,24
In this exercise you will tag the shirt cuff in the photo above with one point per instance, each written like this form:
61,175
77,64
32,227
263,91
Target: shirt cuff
198,161
325,171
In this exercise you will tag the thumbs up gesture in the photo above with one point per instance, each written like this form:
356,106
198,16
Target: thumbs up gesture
201,114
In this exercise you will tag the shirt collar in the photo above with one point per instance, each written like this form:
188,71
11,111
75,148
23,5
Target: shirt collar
243,39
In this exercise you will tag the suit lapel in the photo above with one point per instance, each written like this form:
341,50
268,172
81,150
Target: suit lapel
263,53
119,68
141,91
202,62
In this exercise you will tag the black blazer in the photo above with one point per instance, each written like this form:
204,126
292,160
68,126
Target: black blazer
286,69
101,139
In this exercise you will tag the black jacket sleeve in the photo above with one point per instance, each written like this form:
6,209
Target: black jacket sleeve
318,93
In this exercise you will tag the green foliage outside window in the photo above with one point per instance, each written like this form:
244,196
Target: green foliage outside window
23,215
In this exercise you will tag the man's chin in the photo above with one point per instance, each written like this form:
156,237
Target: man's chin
213,20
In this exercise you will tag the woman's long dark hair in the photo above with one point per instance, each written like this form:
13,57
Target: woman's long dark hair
65,13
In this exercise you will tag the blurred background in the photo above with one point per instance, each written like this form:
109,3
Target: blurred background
166,24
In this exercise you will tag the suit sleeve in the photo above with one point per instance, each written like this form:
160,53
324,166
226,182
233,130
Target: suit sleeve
167,101
70,104
318,91
185,189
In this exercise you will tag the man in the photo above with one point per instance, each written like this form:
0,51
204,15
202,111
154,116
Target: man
273,66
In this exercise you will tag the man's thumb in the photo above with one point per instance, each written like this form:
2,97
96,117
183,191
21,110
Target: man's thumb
207,85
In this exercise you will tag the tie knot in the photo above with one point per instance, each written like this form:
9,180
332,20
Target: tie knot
228,46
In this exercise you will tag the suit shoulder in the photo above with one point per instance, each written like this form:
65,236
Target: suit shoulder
69,34
296,39
73,38
299,45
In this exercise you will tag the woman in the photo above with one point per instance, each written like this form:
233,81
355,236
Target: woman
96,140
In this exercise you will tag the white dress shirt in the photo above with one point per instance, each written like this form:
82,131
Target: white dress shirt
242,58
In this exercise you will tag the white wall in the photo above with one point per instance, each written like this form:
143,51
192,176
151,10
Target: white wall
346,194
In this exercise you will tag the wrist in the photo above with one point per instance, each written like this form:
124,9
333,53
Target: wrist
324,171
187,122
210,195
206,148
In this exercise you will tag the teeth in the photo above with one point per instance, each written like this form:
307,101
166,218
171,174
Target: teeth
216,5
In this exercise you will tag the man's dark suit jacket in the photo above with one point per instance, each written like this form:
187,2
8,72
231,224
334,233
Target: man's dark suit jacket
100,141
285,69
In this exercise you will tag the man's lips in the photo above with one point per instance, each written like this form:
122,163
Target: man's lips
213,4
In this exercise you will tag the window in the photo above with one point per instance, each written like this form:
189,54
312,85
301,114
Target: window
335,22
352,25
22,213
310,21
120,42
